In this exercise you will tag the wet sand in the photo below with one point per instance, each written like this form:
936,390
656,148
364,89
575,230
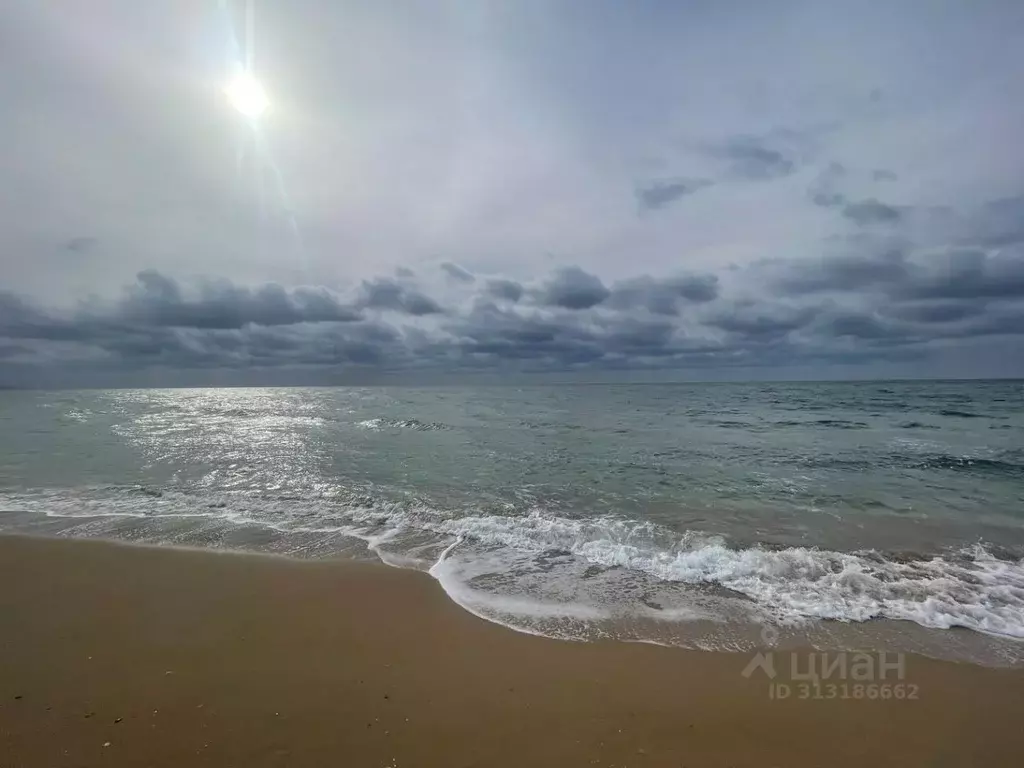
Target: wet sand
128,656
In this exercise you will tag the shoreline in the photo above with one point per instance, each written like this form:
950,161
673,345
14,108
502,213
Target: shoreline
185,657
662,612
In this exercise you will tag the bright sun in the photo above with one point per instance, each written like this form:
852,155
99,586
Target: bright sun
246,95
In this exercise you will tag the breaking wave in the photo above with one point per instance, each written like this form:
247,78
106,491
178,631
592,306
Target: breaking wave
1005,463
971,464
414,424
541,572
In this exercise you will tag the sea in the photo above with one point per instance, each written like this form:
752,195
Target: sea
871,515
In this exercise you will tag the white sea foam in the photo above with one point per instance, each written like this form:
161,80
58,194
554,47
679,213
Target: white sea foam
972,589
533,569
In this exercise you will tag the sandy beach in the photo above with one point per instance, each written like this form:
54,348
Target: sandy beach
130,656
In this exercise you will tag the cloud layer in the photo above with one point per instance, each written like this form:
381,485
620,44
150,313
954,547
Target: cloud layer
462,188
845,309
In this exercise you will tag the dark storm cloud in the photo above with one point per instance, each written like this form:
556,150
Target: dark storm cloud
160,301
13,350
633,336
871,211
19,319
859,325
999,319
854,309
826,192
509,290
156,314
770,332
663,297
752,157
658,194
456,272
880,303
492,334
489,331
826,199
697,288
161,323
81,244
957,274
158,323
761,320
573,288
967,274
384,293
940,311
1000,222
844,273
823,191
319,345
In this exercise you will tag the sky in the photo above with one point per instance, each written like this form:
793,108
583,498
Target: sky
470,189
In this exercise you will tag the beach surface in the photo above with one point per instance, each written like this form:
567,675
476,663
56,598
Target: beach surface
120,655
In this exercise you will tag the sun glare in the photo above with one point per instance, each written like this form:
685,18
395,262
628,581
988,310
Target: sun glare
246,95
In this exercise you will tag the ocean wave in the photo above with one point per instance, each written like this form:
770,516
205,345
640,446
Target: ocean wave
380,424
1005,464
980,465
841,424
831,423
972,588
960,414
